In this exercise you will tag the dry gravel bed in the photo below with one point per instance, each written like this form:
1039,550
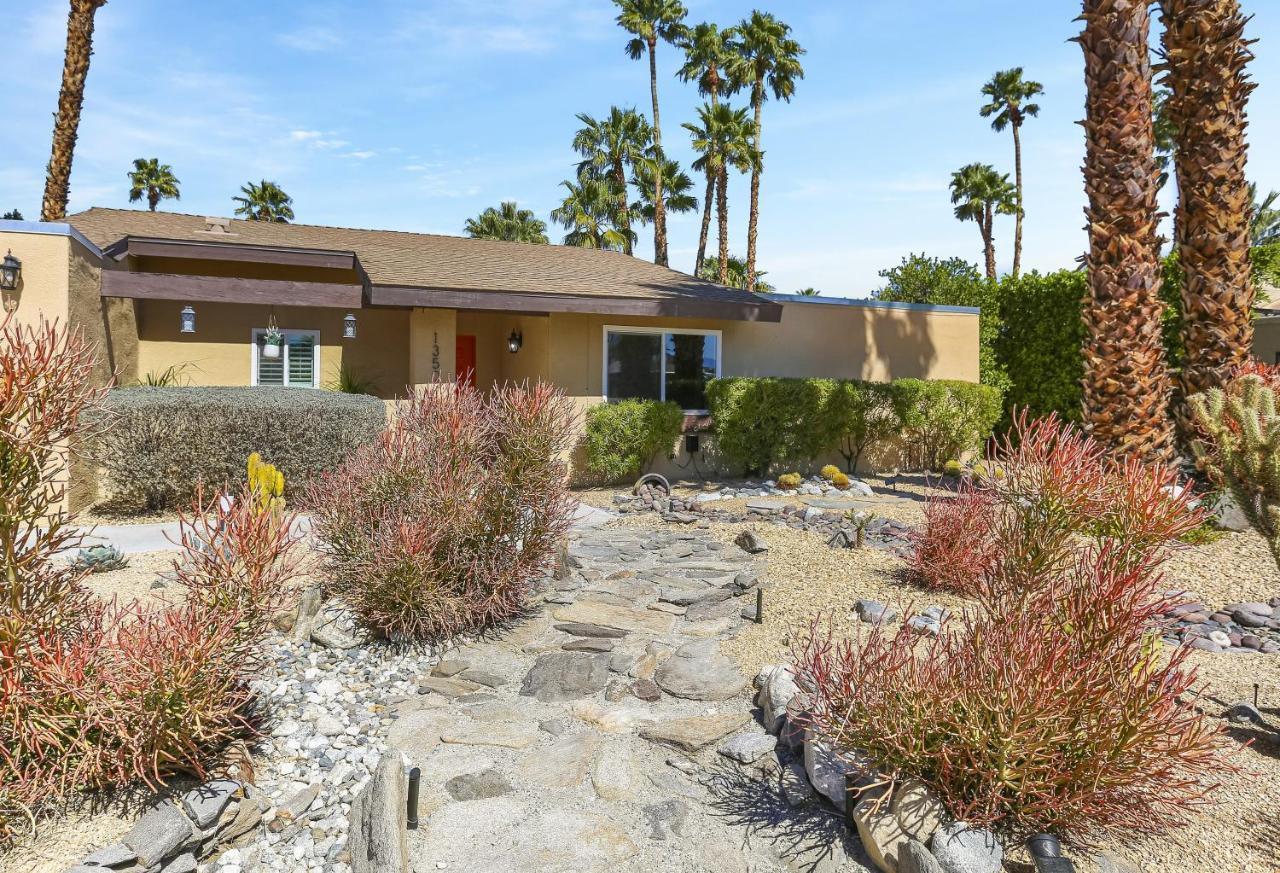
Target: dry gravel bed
1239,833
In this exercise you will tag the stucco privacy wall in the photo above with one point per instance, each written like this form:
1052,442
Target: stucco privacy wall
1266,339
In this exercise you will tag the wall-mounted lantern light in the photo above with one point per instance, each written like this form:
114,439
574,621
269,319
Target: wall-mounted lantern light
515,341
188,319
349,326
10,271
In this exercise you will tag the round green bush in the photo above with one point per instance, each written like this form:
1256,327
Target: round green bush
623,438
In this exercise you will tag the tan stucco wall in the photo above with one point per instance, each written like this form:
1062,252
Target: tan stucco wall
432,352
1266,339
43,287
219,352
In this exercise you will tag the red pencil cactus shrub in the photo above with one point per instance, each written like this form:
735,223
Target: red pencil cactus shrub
1044,712
439,526
954,549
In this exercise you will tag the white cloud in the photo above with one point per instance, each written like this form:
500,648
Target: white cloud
304,135
315,38
358,155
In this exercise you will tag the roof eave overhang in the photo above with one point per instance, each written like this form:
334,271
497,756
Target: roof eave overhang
223,250
527,302
219,289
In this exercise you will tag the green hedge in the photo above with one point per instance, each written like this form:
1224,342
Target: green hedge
623,438
1041,337
156,444
762,422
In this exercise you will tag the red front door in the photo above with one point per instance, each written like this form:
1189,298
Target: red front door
466,360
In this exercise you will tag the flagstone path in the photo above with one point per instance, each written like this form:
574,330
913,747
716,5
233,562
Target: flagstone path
596,735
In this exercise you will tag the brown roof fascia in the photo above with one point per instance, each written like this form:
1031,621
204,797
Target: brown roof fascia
217,289
240,252
524,302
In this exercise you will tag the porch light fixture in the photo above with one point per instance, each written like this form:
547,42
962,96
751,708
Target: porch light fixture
10,271
349,326
188,320
515,341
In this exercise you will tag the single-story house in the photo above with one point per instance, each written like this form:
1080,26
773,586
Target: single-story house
396,310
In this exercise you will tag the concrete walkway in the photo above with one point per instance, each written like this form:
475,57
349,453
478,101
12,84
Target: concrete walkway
133,538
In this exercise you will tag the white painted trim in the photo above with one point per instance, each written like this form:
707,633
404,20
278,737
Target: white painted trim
662,333
284,360
49,228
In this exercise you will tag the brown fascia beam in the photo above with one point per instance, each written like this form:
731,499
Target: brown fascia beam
238,252
217,289
521,302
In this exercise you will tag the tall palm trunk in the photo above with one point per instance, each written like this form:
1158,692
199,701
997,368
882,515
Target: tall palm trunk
1126,381
1205,58
753,220
988,228
66,122
711,187
153,199
722,219
659,202
1017,177
624,210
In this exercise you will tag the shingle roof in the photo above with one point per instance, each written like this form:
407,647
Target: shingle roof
421,260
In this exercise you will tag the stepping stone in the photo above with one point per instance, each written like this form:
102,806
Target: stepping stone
624,618
563,764
646,690
560,676
748,748
450,667
697,671
578,629
614,775
450,688
688,596
588,644
711,610
695,732
478,786
483,677
666,817
508,735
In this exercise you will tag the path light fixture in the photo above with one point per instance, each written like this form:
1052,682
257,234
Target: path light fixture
349,326
10,272
515,341
188,319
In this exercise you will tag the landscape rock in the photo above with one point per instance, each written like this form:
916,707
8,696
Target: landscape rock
161,832
778,687
477,786
827,771
377,839
915,858
116,855
875,612
881,835
205,803
751,542
697,671
695,732
919,813
962,849
561,676
748,748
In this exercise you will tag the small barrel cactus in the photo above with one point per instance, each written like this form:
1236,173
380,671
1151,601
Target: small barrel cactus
953,469
830,472
840,480
100,559
789,481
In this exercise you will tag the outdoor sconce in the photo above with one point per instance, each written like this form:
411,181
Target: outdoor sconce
10,271
515,341
349,326
188,320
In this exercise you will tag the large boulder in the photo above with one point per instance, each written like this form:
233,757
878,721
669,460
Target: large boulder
777,686
377,837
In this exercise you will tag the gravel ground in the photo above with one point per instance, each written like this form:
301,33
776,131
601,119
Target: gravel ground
1240,833
136,581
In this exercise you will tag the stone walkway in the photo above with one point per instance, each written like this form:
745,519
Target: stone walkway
608,733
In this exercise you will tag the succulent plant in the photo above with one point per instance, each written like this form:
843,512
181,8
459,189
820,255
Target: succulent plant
100,559
789,481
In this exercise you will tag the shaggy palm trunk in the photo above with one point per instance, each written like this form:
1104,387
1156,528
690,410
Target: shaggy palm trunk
706,222
624,211
1017,177
722,219
1126,381
66,122
1205,58
987,228
659,204
153,199
753,220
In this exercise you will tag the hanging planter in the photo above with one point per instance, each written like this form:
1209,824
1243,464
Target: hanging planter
272,339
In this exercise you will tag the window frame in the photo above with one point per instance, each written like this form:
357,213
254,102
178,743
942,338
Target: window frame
662,333
255,332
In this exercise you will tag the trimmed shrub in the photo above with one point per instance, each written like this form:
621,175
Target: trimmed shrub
789,481
438,526
760,422
157,445
943,418
623,438
859,416
1040,341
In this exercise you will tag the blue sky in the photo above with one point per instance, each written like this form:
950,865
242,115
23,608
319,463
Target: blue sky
416,115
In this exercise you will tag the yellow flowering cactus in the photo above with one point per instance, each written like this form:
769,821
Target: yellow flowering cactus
266,483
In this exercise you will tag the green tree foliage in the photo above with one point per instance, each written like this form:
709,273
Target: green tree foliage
587,214
735,273
609,147
980,193
677,190
943,419
508,223
264,201
623,438
12,215
1039,342
859,415
153,181
950,282
1008,99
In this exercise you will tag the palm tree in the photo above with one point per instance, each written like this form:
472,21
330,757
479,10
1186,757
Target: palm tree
1009,93
733,272
763,54
610,146
1264,218
650,21
723,140
1164,133
1205,58
706,53
66,121
508,223
265,201
1126,382
675,190
587,213
151,179
808,292
980,193
12,215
